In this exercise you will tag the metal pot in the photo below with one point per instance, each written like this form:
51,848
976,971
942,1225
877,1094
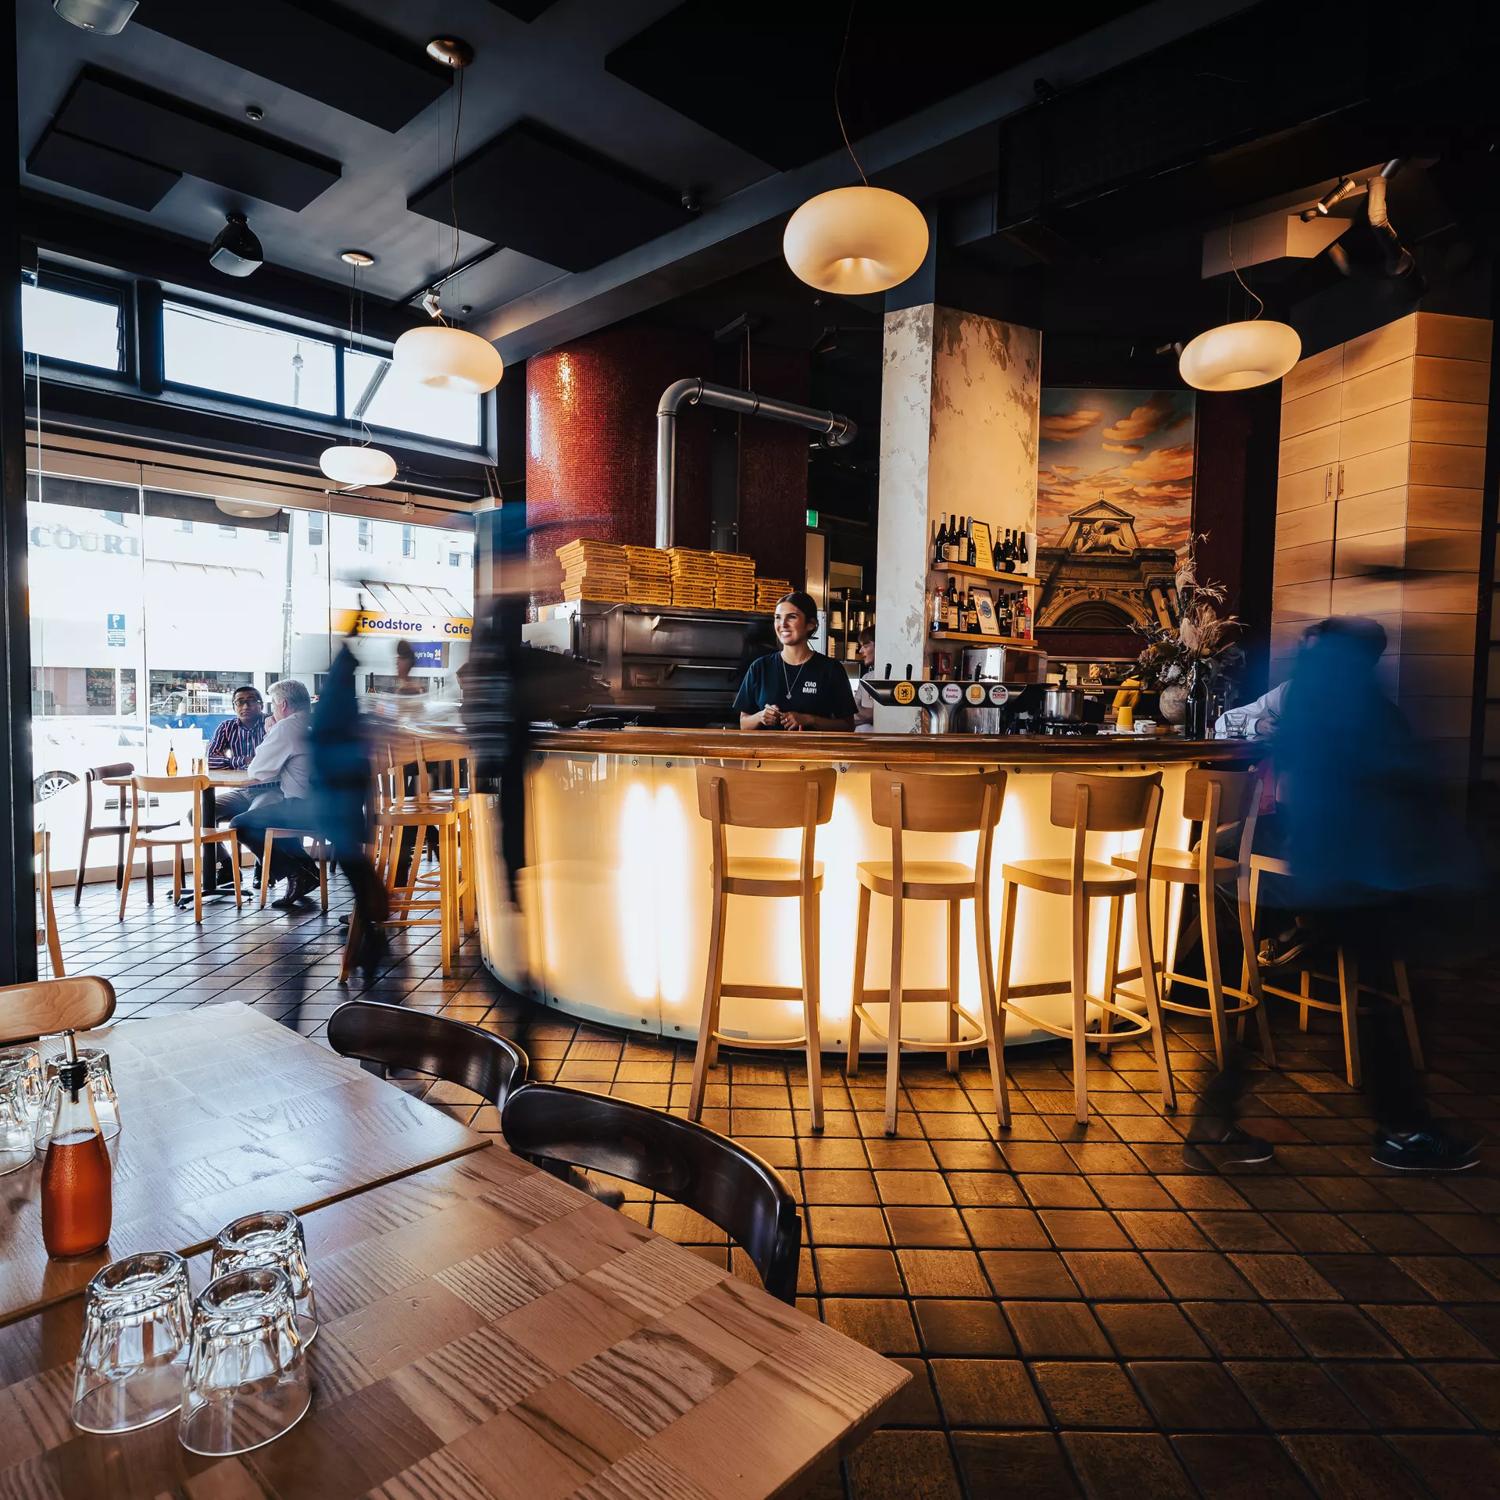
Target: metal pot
1063,705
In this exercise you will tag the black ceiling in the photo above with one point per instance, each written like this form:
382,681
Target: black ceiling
763,75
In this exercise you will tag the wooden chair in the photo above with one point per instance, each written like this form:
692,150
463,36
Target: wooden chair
321,852
97,776
196,837
46,1006
405,803
1219,801
1346,978
690,1164
390,1036
915,802
763,799
41,848
1091,804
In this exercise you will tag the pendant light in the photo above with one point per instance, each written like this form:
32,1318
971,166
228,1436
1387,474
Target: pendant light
854,240
1238,356
442,357
354,465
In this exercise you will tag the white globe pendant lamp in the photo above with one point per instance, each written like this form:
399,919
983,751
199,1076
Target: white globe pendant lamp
352,465
1237,356
448,359
855,240
355,464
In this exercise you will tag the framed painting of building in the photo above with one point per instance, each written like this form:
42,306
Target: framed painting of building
1114,512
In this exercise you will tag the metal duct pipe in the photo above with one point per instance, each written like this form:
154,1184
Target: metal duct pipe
837,432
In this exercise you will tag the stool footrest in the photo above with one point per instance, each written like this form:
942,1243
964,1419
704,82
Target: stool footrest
728,1039
1247,1001
760,991
923,1044
1134,1025
908,997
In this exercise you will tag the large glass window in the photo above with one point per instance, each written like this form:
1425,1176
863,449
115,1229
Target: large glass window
64,324
213,351
375,393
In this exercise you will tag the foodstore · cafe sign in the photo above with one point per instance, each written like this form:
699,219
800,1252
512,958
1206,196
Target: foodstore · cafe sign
403,627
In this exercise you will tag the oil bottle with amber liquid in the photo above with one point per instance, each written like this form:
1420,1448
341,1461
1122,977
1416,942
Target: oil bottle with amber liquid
77,1197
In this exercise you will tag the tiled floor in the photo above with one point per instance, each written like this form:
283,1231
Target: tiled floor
1080,1314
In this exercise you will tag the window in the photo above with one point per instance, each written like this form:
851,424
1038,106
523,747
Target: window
185,525
273,536
127,690
375,394
460,559
366,535
212,351
315,526
228,530
63,323
408,541
88,691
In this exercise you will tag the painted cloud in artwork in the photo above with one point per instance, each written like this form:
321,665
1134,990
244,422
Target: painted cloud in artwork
1132,448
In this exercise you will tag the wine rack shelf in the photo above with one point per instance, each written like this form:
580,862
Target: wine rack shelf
1015,642
963,570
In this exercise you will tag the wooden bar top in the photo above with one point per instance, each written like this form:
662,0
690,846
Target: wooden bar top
1043,751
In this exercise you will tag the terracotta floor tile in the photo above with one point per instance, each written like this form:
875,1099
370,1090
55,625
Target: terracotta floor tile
1198,1275
1453,1468
1427,1332
883,1324
1449,1278
838,1186
1083,1229
868,1273
927,1227
1119,1274
1192,1396
1006,1229
1027,1273
1162,1231
1242,1466
912,1187
1366,1278
1295,1396
1283,1278
1333,1330
916,1406
1112,1464
834,1224
1473,1387
1239,1231
1057,1190
1056,1330
962,1327
1351,1467
1150,1330
1132,1192
988,1189
1397,1397
896,1465
987,1393
1014,1463
1088,1393
942,1273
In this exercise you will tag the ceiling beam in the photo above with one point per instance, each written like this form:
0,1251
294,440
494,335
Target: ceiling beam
936,151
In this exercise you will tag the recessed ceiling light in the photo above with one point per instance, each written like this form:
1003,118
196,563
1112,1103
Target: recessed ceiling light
359,258
451,51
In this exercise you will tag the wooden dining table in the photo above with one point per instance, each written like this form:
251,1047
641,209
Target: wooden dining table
487,1330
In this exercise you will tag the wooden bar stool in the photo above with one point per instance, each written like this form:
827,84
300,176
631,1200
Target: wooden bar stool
172,836
41,848
915,802
1091,804
116,777
321,853
1218,800
763,799
1346,978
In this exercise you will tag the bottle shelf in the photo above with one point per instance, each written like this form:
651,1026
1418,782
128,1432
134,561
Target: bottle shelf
1015,642
963,570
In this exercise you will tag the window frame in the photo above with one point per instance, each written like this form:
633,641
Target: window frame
88,288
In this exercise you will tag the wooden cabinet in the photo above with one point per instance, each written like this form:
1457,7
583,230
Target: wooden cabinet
1379,503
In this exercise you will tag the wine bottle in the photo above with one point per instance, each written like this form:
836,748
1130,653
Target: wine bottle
953,542
939,612
1009,551
1022,618
1024,556
1002,615
940,543
950,613
973,551
971,614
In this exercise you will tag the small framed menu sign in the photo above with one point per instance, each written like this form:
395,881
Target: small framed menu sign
985,606
984,547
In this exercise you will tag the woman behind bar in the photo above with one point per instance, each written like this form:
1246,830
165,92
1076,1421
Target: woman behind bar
795,688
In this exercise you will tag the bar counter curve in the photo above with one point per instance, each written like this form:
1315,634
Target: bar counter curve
613,914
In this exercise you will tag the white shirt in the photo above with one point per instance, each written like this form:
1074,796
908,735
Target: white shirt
1258,717
284,757
864,707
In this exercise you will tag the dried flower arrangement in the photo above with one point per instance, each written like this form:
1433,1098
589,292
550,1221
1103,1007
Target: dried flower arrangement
1202,636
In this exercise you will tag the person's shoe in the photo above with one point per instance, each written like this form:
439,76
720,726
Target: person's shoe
1278,952
1429,1150
1210,1149
298,887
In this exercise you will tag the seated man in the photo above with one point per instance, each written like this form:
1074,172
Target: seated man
234,745
282,772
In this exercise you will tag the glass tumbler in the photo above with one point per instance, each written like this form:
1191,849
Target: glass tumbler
137,1318
17,1125
101,1087
36,1084
273,1238
246,1381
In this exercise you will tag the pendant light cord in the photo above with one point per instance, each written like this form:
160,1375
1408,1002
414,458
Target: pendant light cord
356,299
1244,286
838,75
458,117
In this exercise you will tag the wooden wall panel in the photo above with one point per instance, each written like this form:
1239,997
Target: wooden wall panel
1314,373
1382,511
1319,409
1309,450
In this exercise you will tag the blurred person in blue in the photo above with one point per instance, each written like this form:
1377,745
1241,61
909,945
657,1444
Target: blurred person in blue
1373,851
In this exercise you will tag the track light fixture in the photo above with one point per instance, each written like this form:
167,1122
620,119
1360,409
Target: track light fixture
236,251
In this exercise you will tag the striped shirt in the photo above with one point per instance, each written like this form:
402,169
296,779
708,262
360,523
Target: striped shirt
234,744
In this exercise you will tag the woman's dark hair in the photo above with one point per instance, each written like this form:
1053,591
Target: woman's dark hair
404,651
803,604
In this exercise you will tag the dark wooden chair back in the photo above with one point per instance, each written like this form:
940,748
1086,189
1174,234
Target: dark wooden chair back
390,1036
688,1163
44,1006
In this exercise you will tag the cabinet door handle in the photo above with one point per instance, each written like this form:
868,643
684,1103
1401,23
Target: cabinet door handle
1340,489
1327,483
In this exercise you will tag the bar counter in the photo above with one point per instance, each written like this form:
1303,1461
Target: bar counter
613,914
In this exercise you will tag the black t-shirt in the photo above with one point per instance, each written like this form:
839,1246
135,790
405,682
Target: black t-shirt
818,686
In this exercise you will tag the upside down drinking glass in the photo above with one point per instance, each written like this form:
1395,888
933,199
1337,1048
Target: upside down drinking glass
136,1324
272,1238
